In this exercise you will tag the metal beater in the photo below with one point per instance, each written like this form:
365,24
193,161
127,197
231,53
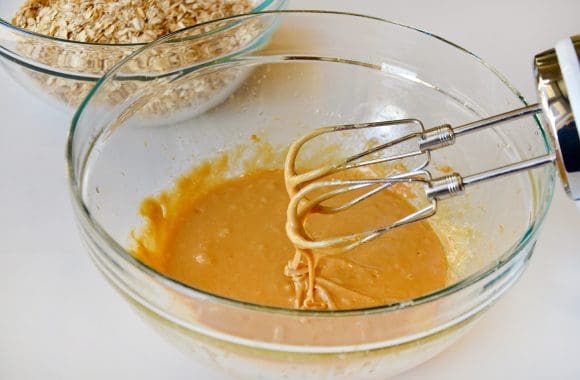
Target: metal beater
557,73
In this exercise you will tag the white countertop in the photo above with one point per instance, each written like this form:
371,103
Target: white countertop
59,319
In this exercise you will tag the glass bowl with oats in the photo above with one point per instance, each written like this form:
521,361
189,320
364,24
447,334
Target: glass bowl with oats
316,69
58,49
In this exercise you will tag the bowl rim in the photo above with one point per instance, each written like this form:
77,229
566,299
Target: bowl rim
3,22
499,263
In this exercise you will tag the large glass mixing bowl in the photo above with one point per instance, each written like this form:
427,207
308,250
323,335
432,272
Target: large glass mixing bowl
316,69
62,72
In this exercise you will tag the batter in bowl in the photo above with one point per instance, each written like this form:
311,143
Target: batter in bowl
227,237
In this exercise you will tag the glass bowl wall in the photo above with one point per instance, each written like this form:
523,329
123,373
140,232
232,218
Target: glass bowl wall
313,69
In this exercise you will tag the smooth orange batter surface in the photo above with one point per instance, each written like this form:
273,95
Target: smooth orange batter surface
227,237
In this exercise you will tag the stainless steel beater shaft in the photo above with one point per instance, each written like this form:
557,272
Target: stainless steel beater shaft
444,135
454,184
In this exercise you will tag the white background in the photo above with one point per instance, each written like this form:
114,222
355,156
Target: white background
60,320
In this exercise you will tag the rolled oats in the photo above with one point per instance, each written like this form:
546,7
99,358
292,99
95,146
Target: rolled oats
110,22
120,21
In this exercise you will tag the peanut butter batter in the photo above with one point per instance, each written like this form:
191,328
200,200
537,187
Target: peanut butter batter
228,237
